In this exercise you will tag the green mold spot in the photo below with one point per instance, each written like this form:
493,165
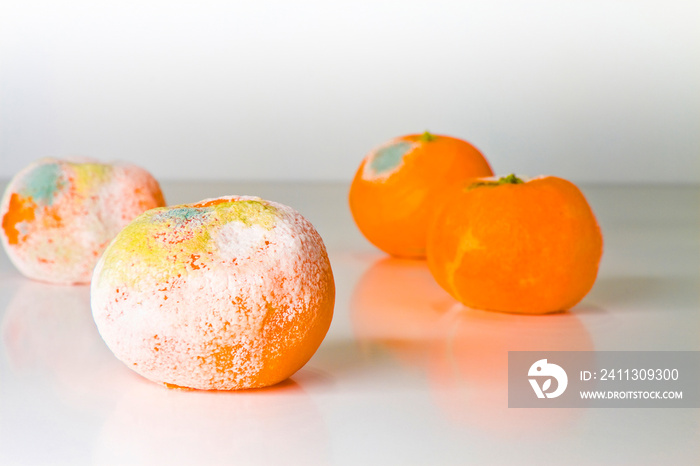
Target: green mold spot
43,183
179,214
389,157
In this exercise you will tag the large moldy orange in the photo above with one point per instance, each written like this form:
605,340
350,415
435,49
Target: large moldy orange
225,294
397,186
524,247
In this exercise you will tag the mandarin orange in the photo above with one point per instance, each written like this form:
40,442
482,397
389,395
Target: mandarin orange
397,186
225,294
59,215
513,246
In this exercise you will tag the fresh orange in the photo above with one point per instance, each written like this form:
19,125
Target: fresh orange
398,185
524,247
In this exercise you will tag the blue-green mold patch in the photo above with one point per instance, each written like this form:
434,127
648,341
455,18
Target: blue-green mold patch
389,157
43,183
181,214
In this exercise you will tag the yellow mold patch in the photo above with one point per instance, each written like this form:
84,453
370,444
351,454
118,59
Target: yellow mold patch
162,242
89,175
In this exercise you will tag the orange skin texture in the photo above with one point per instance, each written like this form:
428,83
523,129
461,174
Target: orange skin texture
393,209
530,248
20,210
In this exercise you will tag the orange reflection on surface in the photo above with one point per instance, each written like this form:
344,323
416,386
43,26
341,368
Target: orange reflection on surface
398,304
463,352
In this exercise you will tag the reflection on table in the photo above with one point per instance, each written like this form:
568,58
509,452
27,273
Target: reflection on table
462,352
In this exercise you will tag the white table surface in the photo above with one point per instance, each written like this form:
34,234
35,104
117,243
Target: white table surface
405,376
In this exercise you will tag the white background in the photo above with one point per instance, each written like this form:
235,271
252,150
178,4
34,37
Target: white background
594,91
